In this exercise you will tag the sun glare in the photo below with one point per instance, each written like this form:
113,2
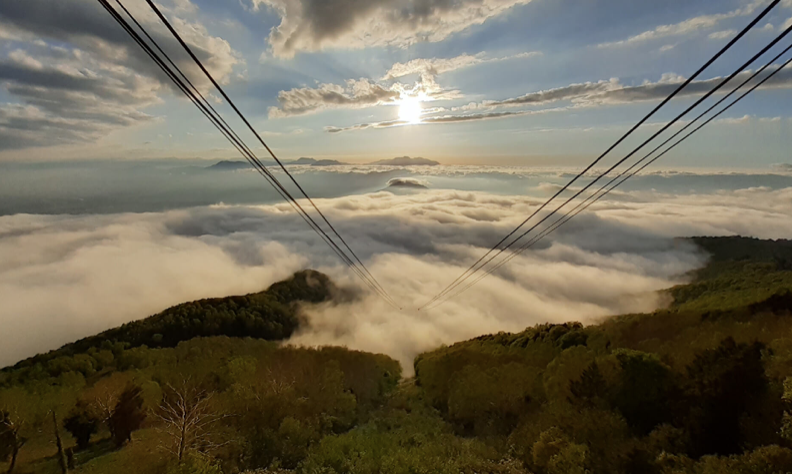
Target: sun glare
410,110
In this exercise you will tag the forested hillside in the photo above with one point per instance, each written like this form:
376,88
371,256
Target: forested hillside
703,386
271,314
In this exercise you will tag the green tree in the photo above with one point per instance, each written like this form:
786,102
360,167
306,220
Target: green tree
127,415
645,390
81,423
721,384
11,440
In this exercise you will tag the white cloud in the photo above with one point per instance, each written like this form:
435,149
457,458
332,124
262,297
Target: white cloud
719,35
63,277
691,25
437,66
592,94
746,119
432,66
308,25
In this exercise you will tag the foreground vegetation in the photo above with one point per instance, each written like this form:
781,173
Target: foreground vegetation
703,386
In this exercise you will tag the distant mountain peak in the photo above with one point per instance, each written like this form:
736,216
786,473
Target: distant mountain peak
314,162
406,161
229,165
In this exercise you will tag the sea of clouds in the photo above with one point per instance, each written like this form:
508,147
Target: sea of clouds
63,277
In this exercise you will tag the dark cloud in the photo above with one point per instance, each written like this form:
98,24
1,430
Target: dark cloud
356,94
408,183
84,24
312,25
80,76
592,94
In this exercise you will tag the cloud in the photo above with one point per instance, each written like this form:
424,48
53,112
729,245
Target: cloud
73,98
63,277
719,35
547,96
432,66
691,25
611,92
75,75
441,119
408,183
86,274
364,92
437,66
427,120
745,119
366,126
355,94
313,25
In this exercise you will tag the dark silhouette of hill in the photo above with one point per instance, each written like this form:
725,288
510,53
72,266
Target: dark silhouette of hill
232,165
229,165
314,162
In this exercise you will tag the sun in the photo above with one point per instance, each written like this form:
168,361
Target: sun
410,110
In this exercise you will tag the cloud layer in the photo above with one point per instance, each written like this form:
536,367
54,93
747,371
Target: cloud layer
63,277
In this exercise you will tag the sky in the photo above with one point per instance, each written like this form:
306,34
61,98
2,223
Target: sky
475,82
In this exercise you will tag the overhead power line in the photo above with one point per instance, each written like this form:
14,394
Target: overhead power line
498,250
253,130
207,110
628,173
194,94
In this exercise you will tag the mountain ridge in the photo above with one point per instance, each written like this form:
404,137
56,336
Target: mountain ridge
233,165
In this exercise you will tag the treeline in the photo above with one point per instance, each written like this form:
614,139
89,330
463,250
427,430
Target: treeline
272,314
704,386
210,404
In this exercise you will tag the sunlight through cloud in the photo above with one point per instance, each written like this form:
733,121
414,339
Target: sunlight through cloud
410,110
